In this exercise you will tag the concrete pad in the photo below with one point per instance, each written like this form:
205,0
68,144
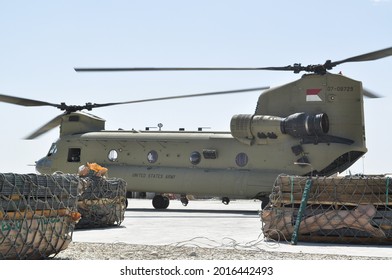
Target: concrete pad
208,223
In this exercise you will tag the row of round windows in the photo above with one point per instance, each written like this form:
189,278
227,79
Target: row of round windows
241,159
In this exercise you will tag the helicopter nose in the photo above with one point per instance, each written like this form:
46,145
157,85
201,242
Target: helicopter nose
43,165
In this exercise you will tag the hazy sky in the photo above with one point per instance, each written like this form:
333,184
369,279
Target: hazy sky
42,41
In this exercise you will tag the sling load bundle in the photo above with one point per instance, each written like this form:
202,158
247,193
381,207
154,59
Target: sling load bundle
103,202
352,209
38,214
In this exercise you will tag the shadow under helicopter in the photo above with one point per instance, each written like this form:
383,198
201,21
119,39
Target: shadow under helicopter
142,213
236,213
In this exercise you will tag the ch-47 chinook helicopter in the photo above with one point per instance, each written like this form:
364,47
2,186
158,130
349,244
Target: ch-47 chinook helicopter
314,125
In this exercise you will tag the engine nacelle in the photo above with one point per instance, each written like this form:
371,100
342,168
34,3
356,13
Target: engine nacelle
301,124
250,128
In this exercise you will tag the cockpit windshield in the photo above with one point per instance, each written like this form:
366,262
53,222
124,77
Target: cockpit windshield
52,150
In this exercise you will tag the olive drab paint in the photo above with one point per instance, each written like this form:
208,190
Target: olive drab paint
325,134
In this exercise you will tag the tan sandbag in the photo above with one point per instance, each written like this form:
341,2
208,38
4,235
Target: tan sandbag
278,221
36,238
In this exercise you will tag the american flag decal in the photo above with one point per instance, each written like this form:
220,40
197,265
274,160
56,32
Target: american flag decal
312,94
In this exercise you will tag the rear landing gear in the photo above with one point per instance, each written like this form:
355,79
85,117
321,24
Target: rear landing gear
225,200
160,201
184,200
264,201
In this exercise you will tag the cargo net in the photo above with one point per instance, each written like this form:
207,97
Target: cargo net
37,214
354,209
102,203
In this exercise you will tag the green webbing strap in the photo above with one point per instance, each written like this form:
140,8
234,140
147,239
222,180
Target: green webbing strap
304,201
387,192
292,189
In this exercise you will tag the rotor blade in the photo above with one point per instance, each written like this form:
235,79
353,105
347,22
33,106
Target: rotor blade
136,69
24,101
45,128
370,94
367,56
296,67
180,96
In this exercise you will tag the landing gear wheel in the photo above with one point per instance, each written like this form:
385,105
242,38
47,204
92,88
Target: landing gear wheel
160,202
184,200
225,200
166,202
264,201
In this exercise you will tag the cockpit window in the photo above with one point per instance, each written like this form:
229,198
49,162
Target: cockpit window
52,150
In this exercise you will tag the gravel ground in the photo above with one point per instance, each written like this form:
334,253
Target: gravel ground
120,251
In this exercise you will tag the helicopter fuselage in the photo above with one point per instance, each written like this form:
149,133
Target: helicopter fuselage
204,163
311,126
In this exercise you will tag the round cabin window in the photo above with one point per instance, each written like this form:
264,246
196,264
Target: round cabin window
241,159
113,155
195,158
152,156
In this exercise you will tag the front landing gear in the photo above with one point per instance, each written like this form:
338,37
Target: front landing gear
160,201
